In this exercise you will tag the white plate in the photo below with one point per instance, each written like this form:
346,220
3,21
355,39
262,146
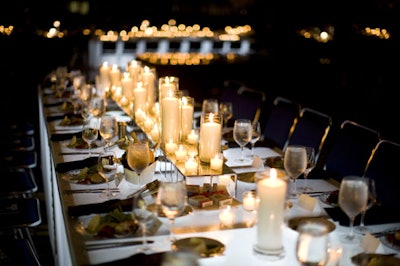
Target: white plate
232,154
99,143
56,125
71,177
120,115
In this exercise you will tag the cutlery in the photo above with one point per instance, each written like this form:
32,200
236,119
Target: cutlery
96,246
152,186
91,190
78,153
385,232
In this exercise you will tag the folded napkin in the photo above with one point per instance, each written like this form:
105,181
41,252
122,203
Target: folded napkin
67,166
65,136
139,259
375,215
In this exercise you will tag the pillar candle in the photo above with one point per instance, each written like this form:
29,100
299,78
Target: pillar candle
170,118
272,194
155,133
115,75
127,85
187,116
210,136
148,78
139,97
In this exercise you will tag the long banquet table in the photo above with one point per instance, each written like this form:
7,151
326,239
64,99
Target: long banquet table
69,240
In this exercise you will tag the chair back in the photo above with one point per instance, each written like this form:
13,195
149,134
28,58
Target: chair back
246,102
383,167
350,150
279,121
310,129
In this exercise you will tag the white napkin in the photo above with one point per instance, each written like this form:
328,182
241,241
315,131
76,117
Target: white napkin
146,176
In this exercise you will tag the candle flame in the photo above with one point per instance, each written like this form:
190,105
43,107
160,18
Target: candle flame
272,174
211,117
184,101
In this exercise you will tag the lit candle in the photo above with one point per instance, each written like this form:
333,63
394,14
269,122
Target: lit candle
148,78
139,97
155,133
180,153
191,165
210,136
272,194
193,137
186,115
127,85
115,75
217,162
170,147
170,122
249,200
148,124
226,216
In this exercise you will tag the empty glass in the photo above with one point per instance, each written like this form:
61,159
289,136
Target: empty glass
210,106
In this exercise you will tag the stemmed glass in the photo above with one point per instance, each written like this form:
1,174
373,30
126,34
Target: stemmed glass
107,166
138,157
226,109
353,197
295,163
255,135
242,136
210,106
372,198
97,106
108,129
310,166
142,213
90,133
171,199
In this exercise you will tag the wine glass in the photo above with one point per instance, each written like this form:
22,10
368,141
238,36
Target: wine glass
142,213
372,198
255,135
242,136
295,163
97,106
226,109
138,157
107,166
210,106
108,129
312,244
353,197
90,133
310,166
171,199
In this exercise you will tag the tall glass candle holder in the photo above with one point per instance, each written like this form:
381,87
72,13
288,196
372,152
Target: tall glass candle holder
271,191
210,136
165,84
187,109
170,117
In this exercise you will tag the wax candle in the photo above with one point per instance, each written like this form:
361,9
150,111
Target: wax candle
210,136
170,147
187,109
193,137
217,162
170,118
226,216
249,200
139,97
148,78
115,75
155,133
191,165
180,153
127,85
272,195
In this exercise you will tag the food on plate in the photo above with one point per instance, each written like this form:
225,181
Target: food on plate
88,175
333,197
274,162
372,259
394,238
114,223
71,121
79,143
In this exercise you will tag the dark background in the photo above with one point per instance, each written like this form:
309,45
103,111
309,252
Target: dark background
351,77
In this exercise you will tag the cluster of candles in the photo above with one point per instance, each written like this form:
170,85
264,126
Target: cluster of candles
164,113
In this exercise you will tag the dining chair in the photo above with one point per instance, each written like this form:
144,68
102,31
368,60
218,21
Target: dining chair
280,119
349,150
246,102
311,129
383,167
